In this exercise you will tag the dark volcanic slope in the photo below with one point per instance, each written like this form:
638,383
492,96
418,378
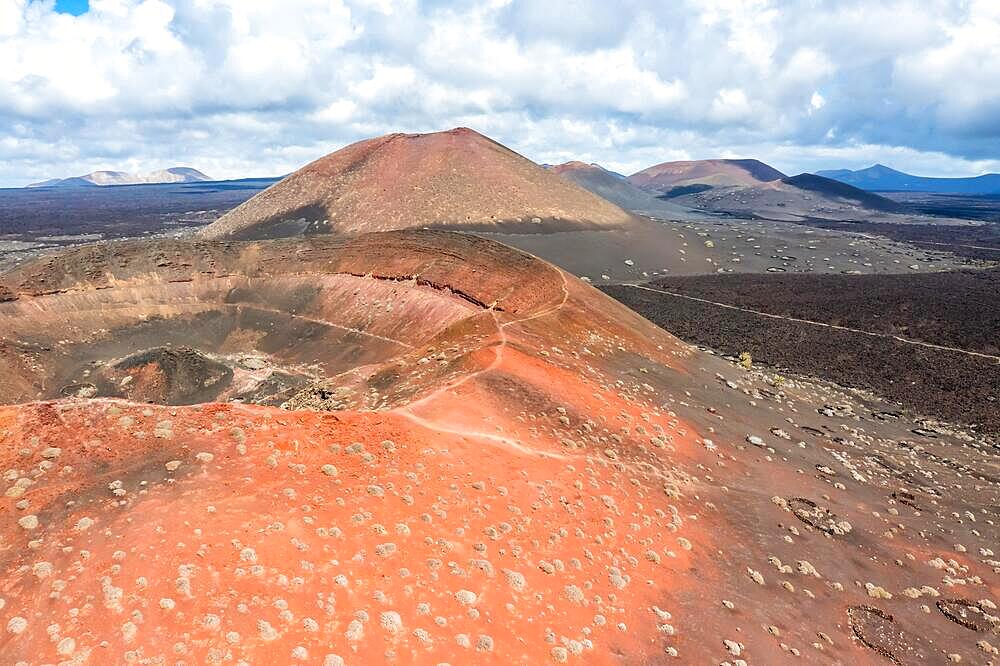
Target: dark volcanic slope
492,463
457,179
981,241
985,208
836,189
957,310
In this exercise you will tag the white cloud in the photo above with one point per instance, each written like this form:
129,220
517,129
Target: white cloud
960,73
238,87
336,112
731,105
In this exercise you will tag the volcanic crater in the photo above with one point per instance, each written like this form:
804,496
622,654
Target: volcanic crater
177,323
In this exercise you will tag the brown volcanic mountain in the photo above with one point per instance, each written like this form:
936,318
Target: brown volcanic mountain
457,178
618,190
715,173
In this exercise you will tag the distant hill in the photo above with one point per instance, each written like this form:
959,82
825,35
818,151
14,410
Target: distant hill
791,198
751,187
663,178
102,178
828,187
455,179
615,188
75,181
882,178
577,165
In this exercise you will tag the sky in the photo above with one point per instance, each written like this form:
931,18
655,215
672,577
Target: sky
74,7
242,88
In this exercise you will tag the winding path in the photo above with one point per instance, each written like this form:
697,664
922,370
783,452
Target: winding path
407,410
815,323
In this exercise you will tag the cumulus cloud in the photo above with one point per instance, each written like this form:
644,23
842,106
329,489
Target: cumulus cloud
241,88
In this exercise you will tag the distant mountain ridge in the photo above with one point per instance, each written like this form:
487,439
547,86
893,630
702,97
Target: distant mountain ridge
882,178
102,178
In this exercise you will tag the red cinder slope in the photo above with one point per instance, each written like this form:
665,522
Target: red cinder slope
536,475
662,177
457,179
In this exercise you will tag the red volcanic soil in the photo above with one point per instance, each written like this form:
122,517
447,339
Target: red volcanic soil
457,178
663,177
521,471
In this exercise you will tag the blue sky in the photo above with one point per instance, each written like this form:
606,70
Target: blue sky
74,7
238,88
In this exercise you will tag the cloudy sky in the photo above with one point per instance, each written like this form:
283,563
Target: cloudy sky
256,87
